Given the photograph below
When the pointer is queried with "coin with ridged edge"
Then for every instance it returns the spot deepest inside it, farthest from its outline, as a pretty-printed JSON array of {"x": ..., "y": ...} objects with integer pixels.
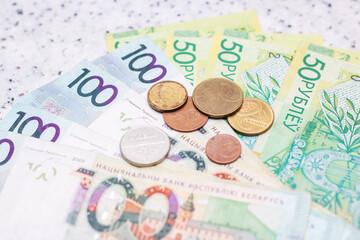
[
  {"x": 254, "y": 117},
  {"x": 223, "y": 149},
  {"x": 185, "y": 119},
  {"x": 167, "y": 96},
  {"x": 218, "y": 97},
  {"x": 145, "y": 146}
]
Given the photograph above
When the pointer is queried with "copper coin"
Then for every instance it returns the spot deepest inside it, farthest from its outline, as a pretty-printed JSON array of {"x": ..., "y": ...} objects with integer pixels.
[
  {"x": 254, "y": 117},
  {"x": 218, "y": 97},
  {"x": 223, "y": 149},
  {"x": 167, "y": 96},
  {"x": 185, "y": 119}
]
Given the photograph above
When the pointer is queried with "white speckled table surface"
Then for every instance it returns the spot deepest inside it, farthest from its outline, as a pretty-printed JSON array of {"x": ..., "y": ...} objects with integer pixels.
[{"x": 40, "y": 40}]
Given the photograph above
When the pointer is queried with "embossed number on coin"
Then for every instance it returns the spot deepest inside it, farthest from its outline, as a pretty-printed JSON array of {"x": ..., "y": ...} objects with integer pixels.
[{"x": 254, "y": 117}]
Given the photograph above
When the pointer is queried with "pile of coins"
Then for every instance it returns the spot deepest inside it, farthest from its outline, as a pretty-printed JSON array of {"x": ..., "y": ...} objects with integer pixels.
[{"x": 214, "y": 98}]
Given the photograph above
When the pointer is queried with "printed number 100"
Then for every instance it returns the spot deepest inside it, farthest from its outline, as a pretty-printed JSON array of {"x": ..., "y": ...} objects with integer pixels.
[
  {"x": 146, "y": 68},
  {"x": 96, "y": 91}
]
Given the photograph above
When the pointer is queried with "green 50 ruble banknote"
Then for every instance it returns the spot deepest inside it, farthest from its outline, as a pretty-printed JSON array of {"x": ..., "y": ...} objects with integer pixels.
[{"x": 317, "y": 130}]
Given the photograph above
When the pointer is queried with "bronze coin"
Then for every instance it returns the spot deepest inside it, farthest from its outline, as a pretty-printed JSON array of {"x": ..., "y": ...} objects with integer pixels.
[
  {"x": 218, "y": 97},
  {"x": 167, "y": 96},
  {"x": 185, "y": 119},
  {"x": 223, "y": 149},
  {"x": 254, "y": 117}
]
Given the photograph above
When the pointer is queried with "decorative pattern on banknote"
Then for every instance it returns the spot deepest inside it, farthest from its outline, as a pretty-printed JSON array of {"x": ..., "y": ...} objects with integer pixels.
[
  {"x": 133, "y": 218},
  {"x": 43, "y": 171},
  {"x": 236, "y": 33},
  {"x": 293, "y": 161},
  {"x": 226, "y": 176},
  {"x": 333, "y": 175},
  {"x": 79, "y": 196},
  {"x": 274, "y": 163},
  {"x": 161, "y": 43},
  {"x": 320, "y": 49},
  {"x": 206, "y": 33},
  {"x": 200, "y": 164},
  {"x": 344, "y": 55},
  {"x": 240, "y": 210},
  {"x": 52, "y": 106},
  {"x": 270, "y": 54},
  {"x": 259, "y": 90},
  {"x": 125, "y": 37},
  {"x": 342, "y": 117},
  {"x": 264, "y": 80},
  {"x": 245, "y": 21},
  {"x": 259, "y": 38},
  {"x": 291, "y": 40}
]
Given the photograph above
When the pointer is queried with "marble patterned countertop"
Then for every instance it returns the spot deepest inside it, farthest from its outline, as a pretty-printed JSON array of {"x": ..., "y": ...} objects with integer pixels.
[{"x": 40, "y": 40}]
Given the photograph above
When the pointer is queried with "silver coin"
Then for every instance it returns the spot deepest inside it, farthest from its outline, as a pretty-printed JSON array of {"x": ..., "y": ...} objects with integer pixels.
[{"x": 145, "y": 146}]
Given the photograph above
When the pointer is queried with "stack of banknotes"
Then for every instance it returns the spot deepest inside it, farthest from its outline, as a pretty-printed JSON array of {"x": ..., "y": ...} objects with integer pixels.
[{"x": 62, "y": 175}]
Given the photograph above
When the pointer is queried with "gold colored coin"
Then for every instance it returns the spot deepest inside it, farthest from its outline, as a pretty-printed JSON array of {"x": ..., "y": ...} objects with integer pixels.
[
  {"x": 218, "y": 97},
  {"x": 166, "y": 96},
  {"x": 254, "y": 117}
]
